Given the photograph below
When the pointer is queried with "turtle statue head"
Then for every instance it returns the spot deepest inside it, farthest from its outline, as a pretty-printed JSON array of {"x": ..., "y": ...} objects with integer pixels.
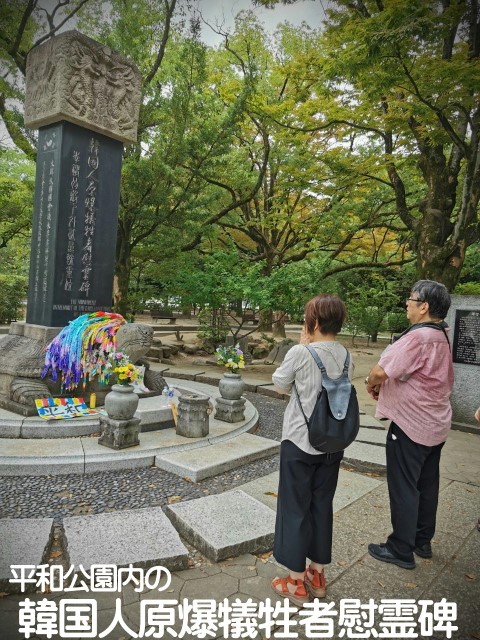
[{"x": 135, "y": 340}]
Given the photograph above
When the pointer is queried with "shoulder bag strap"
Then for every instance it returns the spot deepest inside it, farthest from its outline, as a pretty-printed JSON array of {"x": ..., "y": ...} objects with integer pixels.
[
  {"x": 299, "y": 403},
  {"x": 319, "y": 363},
  {"x": 439, "y": 326}
]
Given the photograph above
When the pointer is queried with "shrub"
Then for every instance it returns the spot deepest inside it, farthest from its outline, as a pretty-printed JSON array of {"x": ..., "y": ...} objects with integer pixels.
[
  {"x": 213, "y": 328},
  {"x": 467, "y": 289}
]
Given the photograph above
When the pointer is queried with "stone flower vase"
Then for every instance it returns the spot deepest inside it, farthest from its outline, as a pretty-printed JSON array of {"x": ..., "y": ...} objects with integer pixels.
[
  {"x": 231, "y": 386},
  {"x": 122, "y": 402}
]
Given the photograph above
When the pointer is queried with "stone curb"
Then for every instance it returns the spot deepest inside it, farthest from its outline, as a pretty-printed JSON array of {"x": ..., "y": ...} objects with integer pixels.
[
  {"x": 217, "y": 525},
  {"x": 37, "y": 428},
  {"x": 32, "y": 538},
  {"x": 141, "y": 537},
  {"x": 78, "y": 457}
]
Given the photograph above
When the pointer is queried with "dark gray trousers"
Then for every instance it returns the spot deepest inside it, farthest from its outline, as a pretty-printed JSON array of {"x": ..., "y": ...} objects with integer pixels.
[
  {"x": 304, "y": 522},
  {"x": 413, "y": 475}
]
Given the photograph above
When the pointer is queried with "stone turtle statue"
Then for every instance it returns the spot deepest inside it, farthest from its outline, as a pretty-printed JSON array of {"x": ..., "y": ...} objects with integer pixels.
[
  {"x": 22, "y": 360},
  {"x": 137, "y": 343}
]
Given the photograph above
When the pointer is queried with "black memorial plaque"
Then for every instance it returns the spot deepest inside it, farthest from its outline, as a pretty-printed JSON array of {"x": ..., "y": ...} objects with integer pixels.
[
  {"x": 466, "y": 341},
  {"x": 77, "y": 190}
]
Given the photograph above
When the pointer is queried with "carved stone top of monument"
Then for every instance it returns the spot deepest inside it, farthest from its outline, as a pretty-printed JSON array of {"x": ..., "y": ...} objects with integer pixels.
[{"x": 72, "y": 77}]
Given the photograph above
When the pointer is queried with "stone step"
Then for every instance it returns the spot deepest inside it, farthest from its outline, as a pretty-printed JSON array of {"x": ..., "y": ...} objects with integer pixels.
[
  {"x": 223, "y": 456},
  {"x": 373, "y": 423},
  {"x": 364, "y": 457},
  {"x": 141, "y": 537},
  {"x": 372, "y": 436},
  {"x": 15, "y": 426},
  {"x": 23, "y": 541},
  {"x": 225, "y": 525}
]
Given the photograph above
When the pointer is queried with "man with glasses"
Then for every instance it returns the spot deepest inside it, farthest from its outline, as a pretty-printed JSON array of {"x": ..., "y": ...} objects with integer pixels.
[{"x": 413, "y": 382}]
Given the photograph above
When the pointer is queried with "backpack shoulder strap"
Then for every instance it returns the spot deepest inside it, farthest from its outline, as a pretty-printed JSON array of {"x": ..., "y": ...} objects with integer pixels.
[
  {"x": 320, "y": 365},
  {"x": 299, "y": 403},
  {"x": 347, "y": 363},
  {"x": 316, "y": 357}
]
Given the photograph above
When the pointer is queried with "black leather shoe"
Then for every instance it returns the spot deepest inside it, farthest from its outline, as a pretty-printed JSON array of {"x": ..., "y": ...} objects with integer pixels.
[
  {"x": 425, "y": 551},
  {"x": 383, "y": 553}
]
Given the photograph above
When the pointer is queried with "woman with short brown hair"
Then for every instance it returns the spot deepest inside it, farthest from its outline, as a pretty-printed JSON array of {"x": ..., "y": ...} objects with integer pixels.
[{"x": 308, "y": 478}]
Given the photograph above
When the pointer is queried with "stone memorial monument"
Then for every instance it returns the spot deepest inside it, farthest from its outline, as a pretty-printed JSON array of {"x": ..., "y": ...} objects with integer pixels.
[
  {"x": 84, "y": 98},
  {"x": 464, "y": 321}
]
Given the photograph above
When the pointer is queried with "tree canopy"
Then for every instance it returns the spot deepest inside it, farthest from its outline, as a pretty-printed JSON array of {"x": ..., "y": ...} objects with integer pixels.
[{"x": 298, "y": 156}]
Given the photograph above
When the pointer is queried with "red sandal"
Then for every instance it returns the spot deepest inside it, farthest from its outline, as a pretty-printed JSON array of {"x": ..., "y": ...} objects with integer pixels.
[
  {"x": 315, "y": 582},
  {"x": 298, "y": 594}
]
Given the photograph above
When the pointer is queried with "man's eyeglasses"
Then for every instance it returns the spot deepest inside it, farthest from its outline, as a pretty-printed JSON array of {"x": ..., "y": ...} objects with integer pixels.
[{"x": 414, "y": 300}]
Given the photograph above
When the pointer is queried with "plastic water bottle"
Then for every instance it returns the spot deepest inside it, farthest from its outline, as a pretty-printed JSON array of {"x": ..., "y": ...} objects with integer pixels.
[
  {"x": 164, "y": 400},
  {"x": 170, "y": 396}
]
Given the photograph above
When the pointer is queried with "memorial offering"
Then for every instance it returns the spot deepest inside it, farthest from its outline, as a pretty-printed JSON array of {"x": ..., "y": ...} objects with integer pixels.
[
  {"x": 81, "y": 350},
  {"x": 62, "y": 408}
]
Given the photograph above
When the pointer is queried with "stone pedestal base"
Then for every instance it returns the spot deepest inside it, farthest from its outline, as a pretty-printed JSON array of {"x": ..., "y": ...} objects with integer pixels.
[
  {"x": 230, "y": 410},
  {"x": 119, "y": 434},
  {"x": 22, "y": 358},
  {"x": 193, "y": 419}
]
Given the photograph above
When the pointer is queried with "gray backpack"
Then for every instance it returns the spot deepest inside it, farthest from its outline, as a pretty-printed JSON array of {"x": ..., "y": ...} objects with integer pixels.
[{"x": 335, "y": 419}]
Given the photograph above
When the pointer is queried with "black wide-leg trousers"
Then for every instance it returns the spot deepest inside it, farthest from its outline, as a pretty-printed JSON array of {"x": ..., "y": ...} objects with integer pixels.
[
  {"x": 304, "y": 521},
  {"x": 413, "y": 475}
]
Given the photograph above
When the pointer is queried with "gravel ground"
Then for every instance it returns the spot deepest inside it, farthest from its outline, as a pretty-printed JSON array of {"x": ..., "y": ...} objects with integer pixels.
[{"x": 67, "y": 495}]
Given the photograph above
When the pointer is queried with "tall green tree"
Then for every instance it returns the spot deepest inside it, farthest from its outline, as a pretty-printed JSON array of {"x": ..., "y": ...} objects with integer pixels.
[
  {"x": 17, "y": 175},
  {"x": 304, "y": 205},
  {"x": 184, "y": 133},
  {"x": 396, "y": 83}
]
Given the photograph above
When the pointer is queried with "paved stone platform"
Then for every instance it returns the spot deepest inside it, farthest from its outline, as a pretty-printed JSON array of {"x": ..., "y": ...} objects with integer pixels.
[
  {"x": 351, "y": 486},
  {"x": 25, "y": 541},
  {"x": 22, "y": 456},
  {"x": 19, "y": 456},
  {"x": 224, "y": 525},
  {"x": 453, "y": 572},
  {"x": 196, "y": 465},
  {"x": 141, "y": 537}
]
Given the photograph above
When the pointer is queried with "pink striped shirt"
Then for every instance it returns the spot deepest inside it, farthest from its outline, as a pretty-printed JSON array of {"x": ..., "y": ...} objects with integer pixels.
[{"x": 416, "y": 395}]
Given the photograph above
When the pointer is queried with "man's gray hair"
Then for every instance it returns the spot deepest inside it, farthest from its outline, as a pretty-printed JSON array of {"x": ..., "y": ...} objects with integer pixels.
[{"x": 437, "y": 296}]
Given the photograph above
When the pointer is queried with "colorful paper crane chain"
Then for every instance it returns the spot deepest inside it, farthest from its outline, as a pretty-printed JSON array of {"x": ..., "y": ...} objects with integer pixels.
[{"x": 80, "y": 351}]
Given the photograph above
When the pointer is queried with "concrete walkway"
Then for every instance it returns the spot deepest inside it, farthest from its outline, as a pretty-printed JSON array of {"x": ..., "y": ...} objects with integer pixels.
[{"x": 361, "y": 516}]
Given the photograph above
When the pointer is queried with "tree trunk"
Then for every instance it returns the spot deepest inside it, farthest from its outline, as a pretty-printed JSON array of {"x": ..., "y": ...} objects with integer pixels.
[
  {"x": 439, "y": 258},
  {"x": 278, "y": 327},
  {"x": 266, "y": 316},
  {"x": 449, "y": 210}
]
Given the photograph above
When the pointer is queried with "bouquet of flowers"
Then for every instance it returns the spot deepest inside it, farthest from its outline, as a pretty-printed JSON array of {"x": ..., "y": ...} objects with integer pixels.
[
  {"x": 230, "y": 357},
  {"x": 119, "y": 365}
]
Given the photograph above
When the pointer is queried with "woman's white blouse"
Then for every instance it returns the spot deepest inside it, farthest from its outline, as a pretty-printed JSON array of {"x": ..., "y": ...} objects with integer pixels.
[{"x": 300, "y": 367}]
